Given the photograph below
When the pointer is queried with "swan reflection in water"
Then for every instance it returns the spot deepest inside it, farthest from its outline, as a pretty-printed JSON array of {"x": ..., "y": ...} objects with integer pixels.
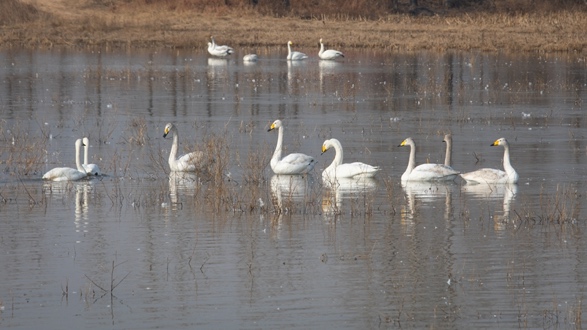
[
  {"x": 426, "y": 192},
  {"x": 337, "y": 190},
  {"x": 289, "y": 190},
  {"x": 181, "y": 182},
  {"x": 494, "y": 191}
]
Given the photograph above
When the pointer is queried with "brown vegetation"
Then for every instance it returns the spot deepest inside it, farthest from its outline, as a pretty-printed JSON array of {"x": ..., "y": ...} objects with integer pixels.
[{"x": 393, "y": 25}]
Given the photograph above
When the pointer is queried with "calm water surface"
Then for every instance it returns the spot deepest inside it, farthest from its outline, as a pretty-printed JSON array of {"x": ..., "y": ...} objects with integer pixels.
[{"x": 140, "y": 248}]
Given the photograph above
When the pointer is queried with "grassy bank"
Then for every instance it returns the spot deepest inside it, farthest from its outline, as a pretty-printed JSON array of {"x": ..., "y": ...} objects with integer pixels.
[{"x": 145, "y": 24}]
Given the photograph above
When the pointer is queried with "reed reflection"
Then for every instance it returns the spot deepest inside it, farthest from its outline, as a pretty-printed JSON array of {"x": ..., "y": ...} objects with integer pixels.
[{"x": 181, "y": 182}]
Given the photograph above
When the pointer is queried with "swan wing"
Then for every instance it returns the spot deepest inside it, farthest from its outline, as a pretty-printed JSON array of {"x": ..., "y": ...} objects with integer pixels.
[
  {"x": 433, "y": 172},
  {"x": 331, "y": 54},
  {"x": 64, "y": 174},
  {"x": 296, "y": 163},
  {"x": 351, "y": 170},
  {"x": 189, "y": 162},
  {"x": 296, "y": 56},
  {"x": 487, "y": 175}
]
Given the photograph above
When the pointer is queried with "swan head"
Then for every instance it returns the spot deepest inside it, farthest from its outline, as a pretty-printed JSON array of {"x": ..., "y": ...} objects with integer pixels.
[
  {"x": 326, "y": 145},
  {"x": 290, "y": 43},
  {"x": 79, "y": 143},
  {"x": 447, "y": 137},
  {"x": 500, "y": 142},
  {"x": 168, "y": 128},
  {"x": 320, "y": 40},
  {"x": 85, "y": 141},
  {"x": 407, "y": 142},
  {"x": 276, "y": 124}
]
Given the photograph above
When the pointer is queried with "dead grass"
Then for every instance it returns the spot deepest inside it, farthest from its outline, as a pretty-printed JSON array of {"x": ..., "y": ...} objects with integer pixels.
[{"x": 506, "y": 25}]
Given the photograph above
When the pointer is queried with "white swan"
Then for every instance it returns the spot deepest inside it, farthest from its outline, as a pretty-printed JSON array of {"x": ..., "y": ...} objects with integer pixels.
[
  {"x": 250, "y": 58},
  {"x": 216, "y": 50},
  {"x": 294, "y": 56},
  {"x": 338, "y": 170},
  {"x": 91, "y": 169},
  {"x": 491, "y": 175},
  {"x": 425, "y": 172},
  {"x": 295, "y": 163},
  {"x": 329, "y": 54},
  {"x": 68, "y": 173},
  {"x": 186, "y": 163}
]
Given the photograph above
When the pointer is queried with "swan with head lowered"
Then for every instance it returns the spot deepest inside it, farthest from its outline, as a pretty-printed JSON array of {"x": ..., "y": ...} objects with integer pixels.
[
  {"x": 291, "y": 164},
  {"x": 68, "y": 173},
  {"x": 293, "y": 55},
  {"x": 217, "y": 50},
  {"x": 425, "y": 172},
  {"x": 338, "y": 170},
  {"x": 91, "y": 169},
  {"x": 191, "y": 162},
  {"x": 492, "y": 175},
  {"x": 329, "y": 54}
]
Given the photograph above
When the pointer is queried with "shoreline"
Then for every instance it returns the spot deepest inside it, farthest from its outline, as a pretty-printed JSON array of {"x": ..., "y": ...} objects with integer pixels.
[{"x": 91, "y": 27}]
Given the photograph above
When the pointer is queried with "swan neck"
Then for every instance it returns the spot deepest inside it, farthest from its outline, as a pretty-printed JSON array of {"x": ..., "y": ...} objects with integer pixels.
[
  {"x": 447, "y": 157},
  {"x": 86, "y": 147},
  {"x": 338, "y": 156},
  {"x": 321, "y": 48},
  {"x": 277, "y": 153},
  {"x": 412, "y": 160},
  {"x": 506, "y": 160},
  {"x": 77, "y": 159},
  {"x": 174, "y": 146}
]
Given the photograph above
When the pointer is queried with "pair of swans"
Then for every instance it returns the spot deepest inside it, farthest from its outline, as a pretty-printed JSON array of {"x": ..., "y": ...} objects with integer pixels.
[
  {"x": 298, "y": 163},
  {"x": 191, "y": 162},
  {"x": 73, "y": 174},
  {"x": 444, "y": 172},
  {"x": 217, "y": 50},
  {"x": 428, "y": 172}
]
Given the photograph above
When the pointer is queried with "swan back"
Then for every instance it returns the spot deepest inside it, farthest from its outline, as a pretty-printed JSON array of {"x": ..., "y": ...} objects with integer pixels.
[{"x": 250, "y": 58}]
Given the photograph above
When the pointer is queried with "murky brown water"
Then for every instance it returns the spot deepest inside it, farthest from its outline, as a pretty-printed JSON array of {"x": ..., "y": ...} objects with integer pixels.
[{"x": 254, "y": 250}]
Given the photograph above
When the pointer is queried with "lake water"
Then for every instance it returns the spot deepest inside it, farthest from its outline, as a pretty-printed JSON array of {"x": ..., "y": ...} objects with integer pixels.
[{"x": 140, "y": 248}]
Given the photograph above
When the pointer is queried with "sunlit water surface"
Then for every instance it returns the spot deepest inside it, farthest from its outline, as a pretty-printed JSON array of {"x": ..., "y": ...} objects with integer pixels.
[{"x": 142, "y": 249}]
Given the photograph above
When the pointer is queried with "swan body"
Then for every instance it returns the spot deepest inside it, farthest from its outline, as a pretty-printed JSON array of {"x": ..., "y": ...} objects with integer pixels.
[
  {"x": 329, "y": 54},
  {"x": 294, "y": 56},
  {"x": 250, "y": 58},
  {"x": 91, "y": 169},
  {"x": 425, "y": 172},
  {"x": 216, "y": 50},
  {"x": 338, "y": 170},
  {"x": 190, "y": 162},
  {"x": 68, "y": 173},
  {"x": 291, "y": 164},
  {"x": 492, "y": 175}
]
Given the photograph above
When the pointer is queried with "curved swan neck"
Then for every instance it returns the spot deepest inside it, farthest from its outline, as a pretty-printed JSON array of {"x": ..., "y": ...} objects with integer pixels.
[
  {"x": 288, "y": 50},
  {"x": 338, "y": 157},
  {"x": 321, "y": 48}
]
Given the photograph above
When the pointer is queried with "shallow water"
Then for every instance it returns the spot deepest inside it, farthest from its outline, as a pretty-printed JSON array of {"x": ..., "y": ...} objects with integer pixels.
[{"x": 141, "y": 249}]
